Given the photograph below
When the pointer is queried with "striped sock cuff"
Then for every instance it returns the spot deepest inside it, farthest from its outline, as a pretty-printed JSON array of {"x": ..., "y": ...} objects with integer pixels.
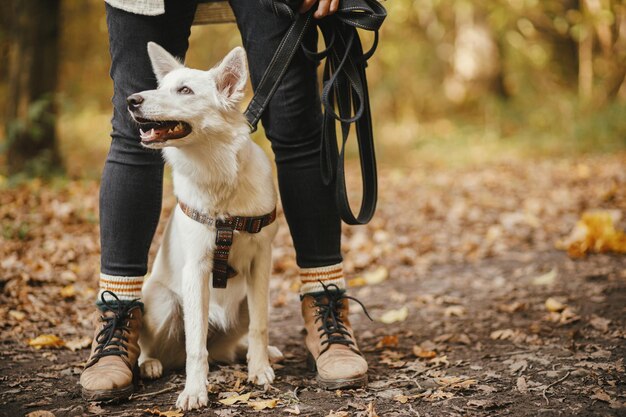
[
  {"x": 125, "y": 288},
  {"x": 311, "y": 279}
]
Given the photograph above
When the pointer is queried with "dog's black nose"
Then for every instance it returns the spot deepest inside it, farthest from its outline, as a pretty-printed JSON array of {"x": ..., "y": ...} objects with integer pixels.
[{"x": 134, "y": 101}]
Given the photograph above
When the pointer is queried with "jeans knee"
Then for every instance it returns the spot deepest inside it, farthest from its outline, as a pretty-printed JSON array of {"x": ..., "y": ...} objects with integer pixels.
[{"x": 127, "y": 151}]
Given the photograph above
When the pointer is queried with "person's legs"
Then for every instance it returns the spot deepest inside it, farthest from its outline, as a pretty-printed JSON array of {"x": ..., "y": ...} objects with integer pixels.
[
  {"x": 293, "y": 123},
  {"x": 131, "y": 187},
  {"x": 130, "y": 197}
]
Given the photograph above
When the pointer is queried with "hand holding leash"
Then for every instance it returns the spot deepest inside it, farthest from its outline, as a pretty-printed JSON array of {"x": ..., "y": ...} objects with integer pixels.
[{"x": 324, "y": 8}]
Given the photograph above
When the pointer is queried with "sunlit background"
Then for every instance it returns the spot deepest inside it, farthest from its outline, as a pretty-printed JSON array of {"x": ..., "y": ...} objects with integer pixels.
[{"x": 453, "y": 80}]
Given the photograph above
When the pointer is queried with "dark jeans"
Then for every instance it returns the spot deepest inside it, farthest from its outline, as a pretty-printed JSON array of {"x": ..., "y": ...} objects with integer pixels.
[{"x": 132, "y": 180}]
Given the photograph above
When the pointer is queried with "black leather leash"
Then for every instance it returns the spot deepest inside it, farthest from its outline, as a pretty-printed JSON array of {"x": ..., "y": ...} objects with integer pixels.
[{"x": 345, "y": 96}]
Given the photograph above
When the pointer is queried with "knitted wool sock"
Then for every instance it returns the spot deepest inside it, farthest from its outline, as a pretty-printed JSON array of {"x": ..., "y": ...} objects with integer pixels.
[
  {"x": 312, "y": 278},
  {"x": 125, "y": 288}
]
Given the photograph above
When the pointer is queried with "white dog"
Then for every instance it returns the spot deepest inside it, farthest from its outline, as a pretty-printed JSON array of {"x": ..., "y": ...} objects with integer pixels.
[{"x": 218, "y": 172}]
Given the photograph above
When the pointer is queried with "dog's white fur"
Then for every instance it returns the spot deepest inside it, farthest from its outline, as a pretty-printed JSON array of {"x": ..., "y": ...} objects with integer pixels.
[{"x": 217, "y": 170}]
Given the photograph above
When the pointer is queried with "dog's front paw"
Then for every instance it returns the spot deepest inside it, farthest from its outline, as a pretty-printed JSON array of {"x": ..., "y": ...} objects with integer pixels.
[
  {"x": 151, "y": 369},
  {"x": 275, "y": 355},
  {"x": 192, "y": 398},
  {"x": 260, "y": 375}
]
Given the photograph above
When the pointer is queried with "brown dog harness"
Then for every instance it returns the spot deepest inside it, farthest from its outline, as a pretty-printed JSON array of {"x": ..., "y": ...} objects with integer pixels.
[{"x": 224, "y": 232}]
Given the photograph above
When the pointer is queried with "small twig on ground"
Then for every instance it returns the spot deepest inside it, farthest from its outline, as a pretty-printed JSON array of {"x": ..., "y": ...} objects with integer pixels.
[
  {"x": 152, "y": 394},
  {"x": 553, "y": 384}
]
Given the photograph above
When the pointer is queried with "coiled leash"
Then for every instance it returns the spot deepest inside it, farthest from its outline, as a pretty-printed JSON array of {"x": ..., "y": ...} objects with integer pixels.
[{"x": 345, "y": 96}]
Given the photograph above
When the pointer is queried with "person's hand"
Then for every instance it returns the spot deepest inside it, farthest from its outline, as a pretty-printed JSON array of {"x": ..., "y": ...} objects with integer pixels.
[{"x": 324, "y": 7}]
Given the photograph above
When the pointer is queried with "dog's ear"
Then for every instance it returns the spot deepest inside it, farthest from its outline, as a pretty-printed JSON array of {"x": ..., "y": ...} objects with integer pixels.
[
  {"x": 231, "y": 75},
  {"x": 162, "y": 61}
]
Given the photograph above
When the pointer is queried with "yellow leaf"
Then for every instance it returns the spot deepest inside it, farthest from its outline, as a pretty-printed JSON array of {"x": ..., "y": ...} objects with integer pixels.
[
  {"x": 377, "y": 276},
  {"x": 595, "y": 232},
  {"x": 40, "y": 413},
  {"x": 403, "y": 399},
  {"x": 393, "y": 316},
  {"x": 554, "y": 305},
  {"x": 236, "y": 398},
  {"x": 370, "y": 278},
  {"x": 17, "y": 315},
  {"x": 46, "y": 340},
  {"x": 170, "y": 413},
  {"x": 546, "y": 279},
  {"x": 263, "y": 404},
  {"x": 357, "y": 282},
  {"x": 68, "y": 291}
]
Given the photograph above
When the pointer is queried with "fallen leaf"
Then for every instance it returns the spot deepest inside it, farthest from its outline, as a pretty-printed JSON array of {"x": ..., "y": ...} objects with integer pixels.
[
  {"x": 422, "y": 353},
  {"x": 295, "y": 410},
  {"x": 454, "y": 311},
  {"x": 600, "y": 323},
  {"x": 547, "y": 278},
  {"x": 387, "y": 341},
  {"x": 40, "y": 413},
  {"x": 480, "y": 403},
  {"x": 242, "y": 398},
  {"x": 599, "y": 394},
  {"x": 503, "y": 334},
  {"x": 94, "y": 408},
  {"x": 393, "y": 316},
  {"x": 401, "y": 398},
  {"x": 77, "y": 344},
  {"x": 512, "y": 307},
  {"x": 522, "y": 386},
  {"x": 439, "y": 395},
  {"x": 17, "y": 315},
  {"x": 370, "y": 278},
  {"x": 46, "y": 340},
  {"x": 338, "y": 414},
  {"x": 554, "y": 305},
  {"x": 440, "y": 360},
  {"x": 170, "y": 413},
  {"x": 68, "y": 291},
  {"x": 518, "y": 366},
  {"x": 595, "y": 232},
  {"x": 263, "y": 404},
  {"x": 371, "y": 412}
]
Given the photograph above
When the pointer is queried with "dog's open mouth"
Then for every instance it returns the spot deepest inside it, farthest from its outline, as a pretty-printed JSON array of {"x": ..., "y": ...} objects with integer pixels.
[{"x": 152, "y": 131}]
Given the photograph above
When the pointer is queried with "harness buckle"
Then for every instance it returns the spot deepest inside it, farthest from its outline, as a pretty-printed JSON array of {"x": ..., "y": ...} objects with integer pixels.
[{"x": 254, "y": 224}]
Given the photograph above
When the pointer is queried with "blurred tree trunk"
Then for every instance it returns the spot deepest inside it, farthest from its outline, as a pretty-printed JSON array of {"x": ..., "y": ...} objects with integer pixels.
[{"x": 32, "y": 78}]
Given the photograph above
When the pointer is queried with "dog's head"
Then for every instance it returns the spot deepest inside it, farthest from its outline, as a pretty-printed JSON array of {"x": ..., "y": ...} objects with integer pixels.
[{"x": 188, "y": 103}]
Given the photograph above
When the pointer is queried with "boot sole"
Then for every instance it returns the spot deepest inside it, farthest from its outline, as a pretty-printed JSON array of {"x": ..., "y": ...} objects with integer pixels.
[
  {"x": 113, "y": 395},
  {"x": 333, "y": 384},
  {"x": 118, "y": 394}
]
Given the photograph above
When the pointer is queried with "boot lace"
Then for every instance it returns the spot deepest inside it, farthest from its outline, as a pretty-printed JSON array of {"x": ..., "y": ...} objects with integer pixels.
[
  {"x": 332, "y": 326},
  {"x": 111, "y": 339}
]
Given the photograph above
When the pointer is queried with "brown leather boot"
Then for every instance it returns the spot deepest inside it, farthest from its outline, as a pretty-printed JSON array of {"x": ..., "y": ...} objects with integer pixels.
[
  {"x": 111, "y": 370},
  {"x": 333, "y": 350}
]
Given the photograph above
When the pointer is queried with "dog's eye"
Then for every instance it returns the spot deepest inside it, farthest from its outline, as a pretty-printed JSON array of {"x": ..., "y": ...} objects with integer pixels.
[{"x": 185, "y": 90}]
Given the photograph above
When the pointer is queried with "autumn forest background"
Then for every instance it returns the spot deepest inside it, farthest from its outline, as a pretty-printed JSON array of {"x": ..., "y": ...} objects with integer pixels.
[{"x": 499, "y": 239}]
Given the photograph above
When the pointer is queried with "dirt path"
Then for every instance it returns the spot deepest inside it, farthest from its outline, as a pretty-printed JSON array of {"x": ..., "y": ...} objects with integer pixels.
[{"x": 491, "y": 318}]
